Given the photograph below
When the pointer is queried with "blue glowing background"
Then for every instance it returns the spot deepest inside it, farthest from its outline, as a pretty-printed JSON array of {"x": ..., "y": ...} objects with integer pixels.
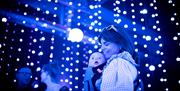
[{"x": 35, "y": 32}]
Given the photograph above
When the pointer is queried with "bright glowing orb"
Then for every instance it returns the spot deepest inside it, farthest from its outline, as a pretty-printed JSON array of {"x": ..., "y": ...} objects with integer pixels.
[
  {"x": 75, "y": 35},
  {"x": 152, "y": 68}
]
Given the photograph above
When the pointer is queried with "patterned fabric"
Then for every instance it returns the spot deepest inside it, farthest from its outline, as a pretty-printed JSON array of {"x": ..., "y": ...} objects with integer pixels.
[{"x": 119, "y": 73}]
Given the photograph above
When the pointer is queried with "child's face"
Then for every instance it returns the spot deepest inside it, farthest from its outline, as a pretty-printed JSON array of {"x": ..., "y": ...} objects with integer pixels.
[{"x": 96, "y": 59}]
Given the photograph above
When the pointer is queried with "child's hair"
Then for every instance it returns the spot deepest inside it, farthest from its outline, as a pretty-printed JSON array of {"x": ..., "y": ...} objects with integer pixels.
[{"x": 53, "y": 70}]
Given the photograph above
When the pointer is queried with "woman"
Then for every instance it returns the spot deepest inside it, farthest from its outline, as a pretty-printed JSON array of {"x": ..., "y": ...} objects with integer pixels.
[{"x": 120, "y": 71}]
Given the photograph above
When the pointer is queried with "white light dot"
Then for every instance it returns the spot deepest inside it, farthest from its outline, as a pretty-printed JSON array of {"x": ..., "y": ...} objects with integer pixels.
[
  {"x": 144, "y": 11},
  {"x": 33, "y": 51},
  {"x": 38, "y": 69},
  {"x": 178, "y": 34},
  {"x": 54, "y": 15},
  {"x": 151, "y": 4},
  {"x": 135, "y": 43},
  {"x": 162, "y": 61},
  {"x": 70, "y": 11},
  {"x": 159, "y": 65},
  {"x": 155, "y": 8},
  {"x": 67, "y": 59},
  {"x": 151, "y": 67},
  {"x": 70, "y": 3},
  {"x": 160, "y": 45},
  {"x": 145, "y": 46},
  {"x": 132, "y": 4},
  {"x": 147, "y": 65},
  {"x": 56, "y": 1},
  {"x": 162, "y": 53},
  {"x": 145, "y": 55},
  {"x": 161, "y": 79},
  {"x": 154, "y": 27},
  {"x": 157, "y": 22},
  {"x": 34, "y": 40},
  {"x": 148, "y": 75},
  {"x": 135, "y": 36},
  {"x": 178, "y": 59},
  {"x": 156, "y": 39},
  {"x": 164, "y": 70},
  {"x": 149, "y": 85},
  {"x": 136, "y": 50},
  {"x": 117, "y": 2},
  {"x": 165, "y": 79},
  {"x": 77, "y": 61},
  {"x": 133, "y": 16},
  {"x": 172, "y": 18},
  {"x": 66, "y": 80},
  {"x": 77, "y": 53},
  {"x": 157, "y": 52},
  {"x": 79, "y": 4},
  {"x": 25, "y": 13},
  {"x": 4, "y": 19},
  {"x": 45, "y": 25},
  {"x": 67, "y": 48},
  {"x": 142, "y": 19},
  {"x": 133, "y": 10},
  {"x": 140, "y": 4},
  {"x": 32, "y": 64},
  {"x": 20, "y": 40},
  {"x": 17, "y": 59},
  {"x": 75, "y": 86},
  {"x": 55, "y": 8},
  {"x": 175, "y": 38},
  {"x": 177, "y": 23},
  {"x": 22, "y": 31},
  {"x": 36, "y": 86},
  {"x": 124, "y": 12},
  {"x": 76, "y": 69},
  {"x": 76, "y": 78},
  {"x": 134, "y": 23},
  {"x": 143, "y": 28},
  {"x": 19, "y": 49},
  {"x": 26, "y": 5},
  {"x": 51, "y": 55},
  {"x": 40, "y": 53},
  {"x": 51, "y": 47},
  {"x": 38, "y": 9},
  {"x": 125, "y": 26}
]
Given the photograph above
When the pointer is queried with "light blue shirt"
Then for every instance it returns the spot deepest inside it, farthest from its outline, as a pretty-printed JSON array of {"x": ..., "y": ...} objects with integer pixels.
[{"x": 119, "y": 73}]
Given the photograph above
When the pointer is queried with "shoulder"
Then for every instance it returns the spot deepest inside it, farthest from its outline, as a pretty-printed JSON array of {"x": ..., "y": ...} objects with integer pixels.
[
  {"x": 119, "y": 60},
  {"x": 123, "y": 64},
  {"x": 88, "y": 74}
]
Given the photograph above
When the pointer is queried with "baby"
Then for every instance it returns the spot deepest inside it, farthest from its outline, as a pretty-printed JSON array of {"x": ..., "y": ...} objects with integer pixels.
[
  {"x": 96, "y": 59},
  {"x": 94, "y": 70}
]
